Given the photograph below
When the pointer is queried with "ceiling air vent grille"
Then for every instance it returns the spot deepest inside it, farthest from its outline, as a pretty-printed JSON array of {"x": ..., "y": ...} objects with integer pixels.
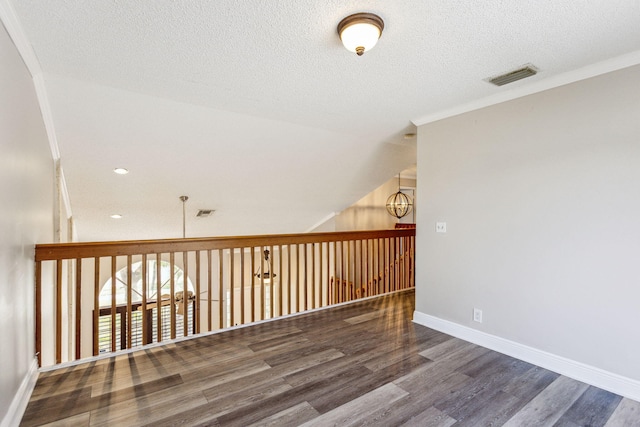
[
  {"x": 202, "y": 213},
  {"x": 515, "y": 75}
]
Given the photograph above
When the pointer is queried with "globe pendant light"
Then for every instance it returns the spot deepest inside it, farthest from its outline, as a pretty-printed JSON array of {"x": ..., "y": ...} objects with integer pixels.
[
  {"x": 360, "y": 32},
  {"x": 399, "y": 204}
]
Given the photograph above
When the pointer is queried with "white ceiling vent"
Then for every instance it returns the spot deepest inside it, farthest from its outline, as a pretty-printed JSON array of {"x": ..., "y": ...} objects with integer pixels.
[
  {"x": 515, "y": 75},
  {"x": 203, "y": 213}
]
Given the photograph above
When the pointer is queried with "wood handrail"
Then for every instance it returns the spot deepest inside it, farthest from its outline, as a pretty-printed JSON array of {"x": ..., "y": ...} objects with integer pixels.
[{"x": 57, "y": 251}]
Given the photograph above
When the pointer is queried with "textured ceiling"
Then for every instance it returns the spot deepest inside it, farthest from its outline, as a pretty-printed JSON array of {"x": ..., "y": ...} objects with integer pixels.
[{"x": 255, "y": 109}]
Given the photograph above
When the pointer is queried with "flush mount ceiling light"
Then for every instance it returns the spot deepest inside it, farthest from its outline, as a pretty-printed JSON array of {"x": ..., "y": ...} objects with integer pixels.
[
  {"x": 360, "y": 32},
  {"x": 116, "y": 216},
  {"x": 121, "y": 171}
]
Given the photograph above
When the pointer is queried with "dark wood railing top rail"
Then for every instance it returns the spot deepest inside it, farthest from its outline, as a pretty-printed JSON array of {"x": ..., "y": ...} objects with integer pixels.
[{"x": 61, "y": 251}]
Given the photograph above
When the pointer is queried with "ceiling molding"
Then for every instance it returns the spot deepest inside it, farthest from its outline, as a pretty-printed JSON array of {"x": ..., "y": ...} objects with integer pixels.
[
  {"x": 11, "y": 22},
  {"x": 589, "y": 71},
  {"x": 64, "y": 193},
  {"x": 47, "y": 116}
]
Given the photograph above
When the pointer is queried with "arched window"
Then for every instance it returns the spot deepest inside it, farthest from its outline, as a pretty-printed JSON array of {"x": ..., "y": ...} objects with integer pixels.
[
  {"x": 152, "y": 283},
  {"x": 182, "y": 307}
]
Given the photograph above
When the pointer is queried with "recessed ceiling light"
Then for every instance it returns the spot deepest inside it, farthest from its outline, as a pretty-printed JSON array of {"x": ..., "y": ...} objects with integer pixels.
[
  {"x": 121, "y": 171},
  {"x": 116, "y": 216}
]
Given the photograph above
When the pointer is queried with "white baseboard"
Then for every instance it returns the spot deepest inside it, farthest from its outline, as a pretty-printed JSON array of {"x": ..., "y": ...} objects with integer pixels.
[
  {"x": 21, "y": 399},
  {"x": 597, "y": 377}
]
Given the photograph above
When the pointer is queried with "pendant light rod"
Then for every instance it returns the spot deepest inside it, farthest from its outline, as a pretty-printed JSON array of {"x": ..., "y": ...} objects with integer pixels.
[{"x": 184, "y": 215}]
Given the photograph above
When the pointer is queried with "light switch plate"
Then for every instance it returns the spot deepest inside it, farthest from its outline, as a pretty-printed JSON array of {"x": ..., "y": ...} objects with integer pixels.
[{"x": 441, "y": 227}]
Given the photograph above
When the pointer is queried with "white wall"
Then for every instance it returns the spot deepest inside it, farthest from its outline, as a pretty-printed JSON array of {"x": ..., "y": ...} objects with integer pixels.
[
  {"x": 26, "y": 216},
  {"x": 541, "y": 196}
]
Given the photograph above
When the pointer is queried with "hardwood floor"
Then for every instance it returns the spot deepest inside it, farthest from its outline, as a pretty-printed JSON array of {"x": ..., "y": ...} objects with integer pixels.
[{"x": 361, "y": 364}]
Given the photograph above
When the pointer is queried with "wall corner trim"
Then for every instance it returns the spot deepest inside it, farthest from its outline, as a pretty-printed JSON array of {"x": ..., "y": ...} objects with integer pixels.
[
  {"x": 597, "y": 377},
  {"x": 21, "y": 399}
]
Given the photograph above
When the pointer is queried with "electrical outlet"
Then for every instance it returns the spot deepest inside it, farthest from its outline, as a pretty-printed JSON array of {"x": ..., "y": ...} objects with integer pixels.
[
  {"x": 477, "y": 315},
  {"x": 441, "y": 227}
]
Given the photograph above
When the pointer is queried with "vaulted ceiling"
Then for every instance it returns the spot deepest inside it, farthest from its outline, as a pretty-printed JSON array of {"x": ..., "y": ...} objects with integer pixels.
[{"x": 254, "y": 108}]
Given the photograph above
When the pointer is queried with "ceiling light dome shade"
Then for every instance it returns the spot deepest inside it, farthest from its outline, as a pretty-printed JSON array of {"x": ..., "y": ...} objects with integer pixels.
[{"x": 360, "y": 32}]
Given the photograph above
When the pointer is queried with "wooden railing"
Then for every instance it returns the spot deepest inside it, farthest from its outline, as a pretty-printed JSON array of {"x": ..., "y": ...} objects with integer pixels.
[{"x": 107, "y": 296}]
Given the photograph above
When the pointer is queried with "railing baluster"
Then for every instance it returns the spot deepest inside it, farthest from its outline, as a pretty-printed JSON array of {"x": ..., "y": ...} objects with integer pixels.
[
  {"x": 350, "y": 280},
  {"x": 305, "y": 281},
  {"x": 271, "y": 283},
  {"x": 392, "y": 265},
  {"x": 320, "y": 271},
  {"x": 209, "y": 294},
  {"x": 143, "y": 308},
  {"x": 279, "y": 281},
  {"x": 196, "y": 308},
  {"x": 405, "y": 251},
  {"x": 253, "y": 284},
  {"x": 185, "y": 293},
  {"x": 96, "y": 304},
  {"x": 242, "y": 279},
  {"x": 413, "y": 261},
  {"x": 333, "y": 294},
  {"x": 401, "y": 262},
  {"x": 261, "y": 283},
  {"x": 78, "y": 307},
  {"x": 159, "y": 296},
  {"x": 365, "y": 267},
  {"x": 328, "y": 296},
  {"x": 113, "y": 303},
  {"x": 58, "y": 309},
  {"x": 129, "y": 314},
  {"x": 341, "y": 277},
  {"x": 398, "y": 263},
  {"x": 172, "y": 288},
  {"x": 289, "y": 279},
  {"x": 357, "y": 268},
  {"x": 221, "y": 287},
  {"x": 38, "y": 298},
  {"x": 379, "y": 267},
  {"x": 313, "y": 275},
  {"x": 385, "y": 264},
  {"x": 232, "y": 286}
]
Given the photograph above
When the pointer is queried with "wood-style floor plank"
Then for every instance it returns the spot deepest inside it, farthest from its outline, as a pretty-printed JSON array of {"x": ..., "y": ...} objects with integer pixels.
[
  {"x": 79, "y": 420},
  {"x": 289, "y": 417},
  {"x": 549, "y": 406},
  {"x": 364, "y": 363},
  {"x": 593, "y": 408},
  {"x": 430, "y": 417},
  {"x": 627, "y": 414},
  {"x": 358, "y": 410}
]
